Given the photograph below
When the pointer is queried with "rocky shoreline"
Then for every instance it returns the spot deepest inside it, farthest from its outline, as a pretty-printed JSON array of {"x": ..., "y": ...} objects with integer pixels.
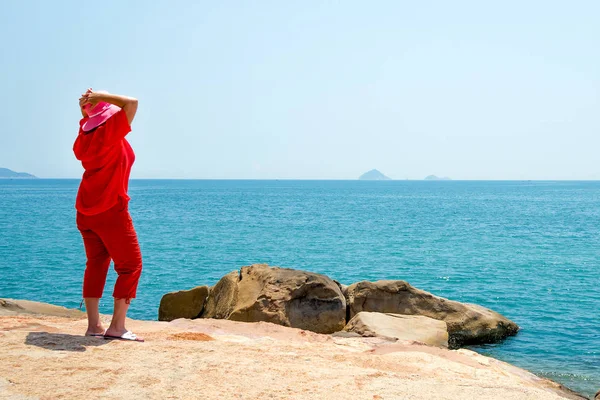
[
  {"x": 314, "y": 302},
  {"x": 45, "y": 356}
]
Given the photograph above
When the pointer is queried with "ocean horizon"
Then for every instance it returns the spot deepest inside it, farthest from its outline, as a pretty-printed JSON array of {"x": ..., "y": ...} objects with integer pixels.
[
  {"x": 36, "y": 178},
  {"x": 525, "y": 248}
]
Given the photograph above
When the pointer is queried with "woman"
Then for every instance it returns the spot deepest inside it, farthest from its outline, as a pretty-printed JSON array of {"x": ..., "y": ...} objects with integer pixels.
[{"x": 102, "y": 207}]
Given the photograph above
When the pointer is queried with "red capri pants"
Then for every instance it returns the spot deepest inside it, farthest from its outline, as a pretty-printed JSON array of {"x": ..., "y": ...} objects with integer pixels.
[{"x": 110, "y": 235}]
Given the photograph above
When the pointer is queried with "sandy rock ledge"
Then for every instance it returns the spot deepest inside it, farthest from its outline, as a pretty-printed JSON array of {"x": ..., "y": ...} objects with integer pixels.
[{"x": 46, "y": 357}]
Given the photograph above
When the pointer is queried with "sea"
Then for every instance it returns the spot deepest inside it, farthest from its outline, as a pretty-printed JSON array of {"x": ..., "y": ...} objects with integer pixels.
[{"x": 527, "y": 249}]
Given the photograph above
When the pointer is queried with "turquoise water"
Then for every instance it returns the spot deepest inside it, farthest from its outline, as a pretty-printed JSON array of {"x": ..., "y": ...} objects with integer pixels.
[{"x": 529, "y": 250}]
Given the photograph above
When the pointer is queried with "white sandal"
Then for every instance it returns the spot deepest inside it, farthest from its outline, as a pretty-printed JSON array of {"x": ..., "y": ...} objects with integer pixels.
[{"x": 130, "y": 336}]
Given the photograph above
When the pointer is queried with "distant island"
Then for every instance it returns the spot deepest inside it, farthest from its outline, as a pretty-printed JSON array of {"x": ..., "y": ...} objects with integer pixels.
[
  {"x": 373, "y": 175},
  {"x": 435, "y": 178},
  {"x": 6, "y": 173}
]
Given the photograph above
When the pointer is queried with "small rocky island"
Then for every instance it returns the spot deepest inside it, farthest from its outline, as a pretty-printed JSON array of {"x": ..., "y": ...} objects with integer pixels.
[
  {"x": 436, "y": 178},
  {"x": 373, "y": 175},
  {"x": 6, "y": 173}
]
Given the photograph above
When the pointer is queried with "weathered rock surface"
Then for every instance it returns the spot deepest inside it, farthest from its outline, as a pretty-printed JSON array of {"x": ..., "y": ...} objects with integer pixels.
[
  {"x": 182, "y": 304},
  {"x": 402, "y": 327},
  {"x": 223, "y": 297},
  {"x": 467, "y": 323},
  {"x": 20, "y": 307},
  {"x": 282, "y": 296},
  {"x": 47, "y": 357}
]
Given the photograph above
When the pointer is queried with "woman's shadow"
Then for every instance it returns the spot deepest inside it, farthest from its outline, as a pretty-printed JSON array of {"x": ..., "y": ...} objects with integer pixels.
[{"x": 63, "y": 341}]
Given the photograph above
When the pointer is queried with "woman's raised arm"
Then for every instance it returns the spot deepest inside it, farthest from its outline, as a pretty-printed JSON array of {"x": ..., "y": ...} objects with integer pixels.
[{"x": 128, "y": 104}]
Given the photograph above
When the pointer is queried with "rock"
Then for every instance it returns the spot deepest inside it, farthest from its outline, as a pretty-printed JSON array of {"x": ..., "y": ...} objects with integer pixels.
[
  {"x": 344, "y": 334},
  {"x": 402, "y": 327},
  {"x": 49, "y": 358},
  {"x": 282, "y": 296},
  {"x": 10, "y": 307},
  {"x": 182, "y": 304},
  {"x": 18, "y": 307},
  {"x": 223, "y": 297},
  {"x": 342, "y": 287},
  {"x": 467, "y": 323},
  {"x": 597, "y": 397}
]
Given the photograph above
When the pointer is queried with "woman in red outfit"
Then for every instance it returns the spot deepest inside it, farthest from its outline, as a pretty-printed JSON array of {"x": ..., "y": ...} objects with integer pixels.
[{"x": 102, "y": 207}]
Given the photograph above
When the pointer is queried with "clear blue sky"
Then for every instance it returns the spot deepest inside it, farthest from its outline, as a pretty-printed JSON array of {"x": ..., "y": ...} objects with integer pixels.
[{"x": 310, "y": 89}]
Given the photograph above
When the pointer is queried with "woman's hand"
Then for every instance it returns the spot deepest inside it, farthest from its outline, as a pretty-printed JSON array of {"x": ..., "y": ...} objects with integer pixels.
[
  {"x": 83, "y": 102},
  {"x": 90, "y": 97}
]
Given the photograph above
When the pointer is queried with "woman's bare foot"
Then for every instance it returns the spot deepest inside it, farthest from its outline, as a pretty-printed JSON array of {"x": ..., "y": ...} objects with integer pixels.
[
  {"x": 97, "y": 330},
  {"x": 115, "y": 332},
  {"x": 117, "y": 325}
]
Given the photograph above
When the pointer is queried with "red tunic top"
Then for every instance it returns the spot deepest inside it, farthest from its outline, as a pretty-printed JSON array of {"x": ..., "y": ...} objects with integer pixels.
[{"x": 107, "y": 158}]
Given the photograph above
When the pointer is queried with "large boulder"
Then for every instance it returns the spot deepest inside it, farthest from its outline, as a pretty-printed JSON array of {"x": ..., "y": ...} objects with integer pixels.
[
  {"x": 402, "y": 327},
  {"x": 282, "y": 296},
  {"x": 223, "y": 297},
  {"x": 182, "y": 304},
  {"x": 467, "y": 323}
]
